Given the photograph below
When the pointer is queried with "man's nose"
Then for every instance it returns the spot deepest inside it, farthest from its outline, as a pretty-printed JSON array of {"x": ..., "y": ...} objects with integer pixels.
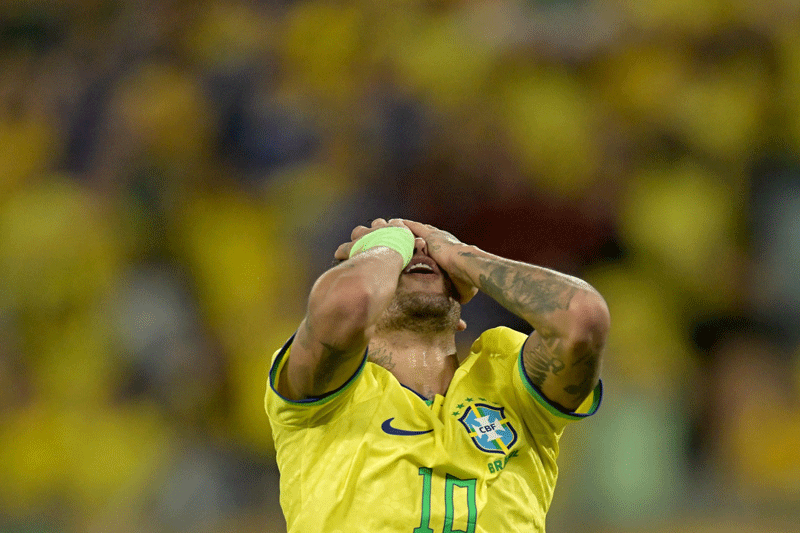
[{"x": 420, "y": 246}]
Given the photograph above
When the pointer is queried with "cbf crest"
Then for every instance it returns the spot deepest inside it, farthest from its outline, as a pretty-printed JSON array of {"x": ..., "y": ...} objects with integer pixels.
[{"x": 488, "y": 427}]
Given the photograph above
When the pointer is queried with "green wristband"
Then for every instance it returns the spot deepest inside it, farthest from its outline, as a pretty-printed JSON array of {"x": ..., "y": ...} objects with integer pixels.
[{"x": 401, "y": 240}]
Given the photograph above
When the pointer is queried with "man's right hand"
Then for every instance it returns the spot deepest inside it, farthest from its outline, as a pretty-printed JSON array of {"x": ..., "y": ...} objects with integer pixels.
[
  {"x": 343, "y": 308},
  {"x": 343, "y": 252}
]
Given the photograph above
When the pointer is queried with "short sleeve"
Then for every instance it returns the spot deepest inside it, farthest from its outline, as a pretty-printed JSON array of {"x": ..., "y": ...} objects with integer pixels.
[
  {"x": 310, "y": 411},
  {"x": 540, "y": 414},
  {"x": 555, "y": 416}
]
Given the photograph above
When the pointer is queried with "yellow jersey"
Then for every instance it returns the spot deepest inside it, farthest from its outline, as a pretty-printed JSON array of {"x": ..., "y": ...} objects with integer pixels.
[{"x": 374, "y": 456}]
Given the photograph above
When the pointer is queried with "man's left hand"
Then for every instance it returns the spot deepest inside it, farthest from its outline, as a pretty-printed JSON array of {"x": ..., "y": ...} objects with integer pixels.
[{"x": 443, "y": 248}]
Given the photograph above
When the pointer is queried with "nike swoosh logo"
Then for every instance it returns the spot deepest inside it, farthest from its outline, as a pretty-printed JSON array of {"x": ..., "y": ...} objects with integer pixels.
[{"x": 387, "y": 428}]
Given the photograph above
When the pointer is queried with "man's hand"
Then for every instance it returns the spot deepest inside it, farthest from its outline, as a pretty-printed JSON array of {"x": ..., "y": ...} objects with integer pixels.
[
  {"x": 569, "y": 317},
  {"x": 343, "y": 252},
  {"x": 443, "y": 248},
  {"x": 345, "y": 304}
]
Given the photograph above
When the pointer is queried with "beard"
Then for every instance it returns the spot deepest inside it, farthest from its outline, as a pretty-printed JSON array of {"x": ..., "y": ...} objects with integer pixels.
[{"x": 420, "y": 312}]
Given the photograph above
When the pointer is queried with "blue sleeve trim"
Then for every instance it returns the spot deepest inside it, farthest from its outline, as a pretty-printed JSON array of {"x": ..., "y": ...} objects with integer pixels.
[{"x": 314, "y": 400}]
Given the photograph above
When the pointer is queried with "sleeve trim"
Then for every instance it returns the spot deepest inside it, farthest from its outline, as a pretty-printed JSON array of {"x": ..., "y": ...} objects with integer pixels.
[
  {"x": 315, "y": 400},
  {"x": 550, "y": 406}
]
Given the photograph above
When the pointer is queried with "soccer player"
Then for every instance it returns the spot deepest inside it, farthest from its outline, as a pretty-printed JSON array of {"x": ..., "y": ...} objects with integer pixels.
[{"x": 379, "y": 429}]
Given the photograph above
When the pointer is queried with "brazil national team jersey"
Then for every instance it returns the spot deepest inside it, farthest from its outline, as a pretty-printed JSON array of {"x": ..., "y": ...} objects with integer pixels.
[{"x": 374, "y": 456}]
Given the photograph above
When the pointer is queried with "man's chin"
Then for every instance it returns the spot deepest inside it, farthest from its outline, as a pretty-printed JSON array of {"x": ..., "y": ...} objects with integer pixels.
[
  {"x": 422, "y": 311},
  {"x": 430, "y": 301},
  {"x": 420, "y": 282}
]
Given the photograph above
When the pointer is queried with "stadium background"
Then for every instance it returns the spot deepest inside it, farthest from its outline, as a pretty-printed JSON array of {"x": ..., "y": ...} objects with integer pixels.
[{"x": 174, "y": 174}]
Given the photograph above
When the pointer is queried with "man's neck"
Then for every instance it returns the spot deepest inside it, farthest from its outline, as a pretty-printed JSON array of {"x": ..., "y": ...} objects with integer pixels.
[{"x": 424, "y": 363}]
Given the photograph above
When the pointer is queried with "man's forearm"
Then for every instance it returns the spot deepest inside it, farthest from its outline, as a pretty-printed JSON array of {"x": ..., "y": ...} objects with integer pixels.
[
  {"x": 351, "y": 297},
  {"x": 544, "y": 298},
  {"x": 345, "y": 303},
  {"x": 571, "y": 319}
]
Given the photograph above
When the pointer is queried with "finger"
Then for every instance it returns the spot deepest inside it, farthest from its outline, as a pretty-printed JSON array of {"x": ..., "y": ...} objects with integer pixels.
[
  {"x": 358, "y": 232},
  {"x": 378, "y": 223},
  {"x": 397, "y": 222},
  {"x": 343, "y": 251},
  {"x": 416, "y": 228}
]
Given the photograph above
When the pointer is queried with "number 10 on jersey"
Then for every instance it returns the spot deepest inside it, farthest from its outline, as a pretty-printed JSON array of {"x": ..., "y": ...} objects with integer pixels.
[{"x": 451, "y": 482}]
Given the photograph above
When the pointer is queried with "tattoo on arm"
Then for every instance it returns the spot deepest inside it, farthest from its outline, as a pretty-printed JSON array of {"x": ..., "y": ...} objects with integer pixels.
[
  {"x": 522, "y": 292},
  {"x": 522, "y": 295},
  {"x": 589, "y": 363},
  {"x": 329, "y": 362},
  {"x": 539, "y": 363},
  {"x": 550, "y": 370}
]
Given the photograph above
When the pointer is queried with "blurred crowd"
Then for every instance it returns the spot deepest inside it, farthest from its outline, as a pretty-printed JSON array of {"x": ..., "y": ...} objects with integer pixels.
[{"x": 175, "y": 173}]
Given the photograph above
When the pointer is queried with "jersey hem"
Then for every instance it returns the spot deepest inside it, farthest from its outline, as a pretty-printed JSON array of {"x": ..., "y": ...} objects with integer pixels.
[
  {"x": 314, "y": 400},
  {"x": 551, "y": 407}
]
